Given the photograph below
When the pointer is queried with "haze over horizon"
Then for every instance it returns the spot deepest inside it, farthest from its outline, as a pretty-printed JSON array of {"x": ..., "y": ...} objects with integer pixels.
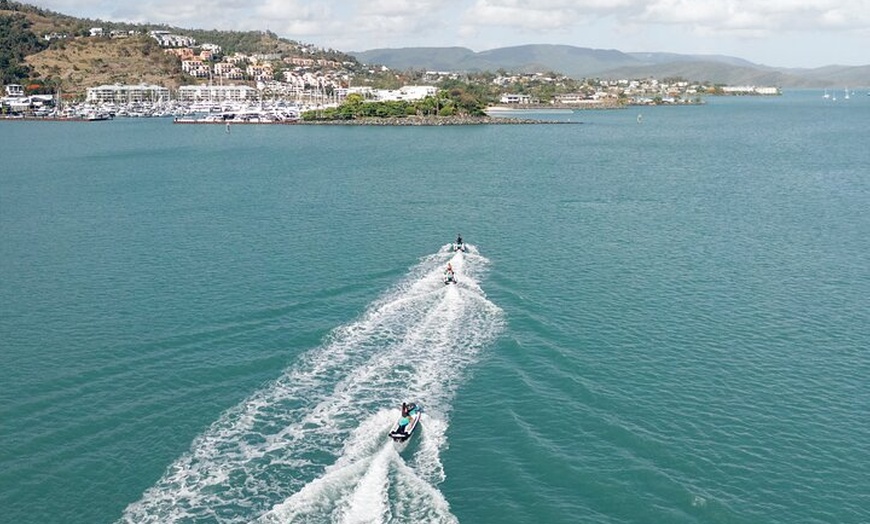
[{"x": 777, "y": 33}]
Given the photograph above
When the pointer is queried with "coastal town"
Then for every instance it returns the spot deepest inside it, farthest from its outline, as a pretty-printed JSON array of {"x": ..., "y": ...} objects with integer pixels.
[{"x": 282, "y": 87}]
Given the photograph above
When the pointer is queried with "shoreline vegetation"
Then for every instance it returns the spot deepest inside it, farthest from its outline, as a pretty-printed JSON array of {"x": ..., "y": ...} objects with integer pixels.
[{"x": 433, "y": 121}]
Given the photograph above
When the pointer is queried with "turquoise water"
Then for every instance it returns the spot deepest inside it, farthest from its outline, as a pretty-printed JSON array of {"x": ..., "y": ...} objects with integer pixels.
[{"x": 656, "y": 322}]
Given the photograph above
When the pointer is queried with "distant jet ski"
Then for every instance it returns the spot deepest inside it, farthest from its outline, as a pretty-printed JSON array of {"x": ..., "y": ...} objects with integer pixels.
[
  {"x": 459, "y": 245},
  {"x": 402, "y": 429}
]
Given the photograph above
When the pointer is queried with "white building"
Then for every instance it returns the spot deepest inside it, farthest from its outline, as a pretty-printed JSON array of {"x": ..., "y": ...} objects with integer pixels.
[
  {"x": 213, "y": 48},
  {"x": 406, "y": 93},
  {"x": 578, "y": 99},
  {"x": 750, "y": 90},
  {"x": 418, "y": 92},
  {"x": 196, "y": 68},
  {"x": 14, "y": 90},
  {"x": 260, "y": 72},
  {"x": 125, "y": 94},
  {"x": 167, "y": 39},
  {"x": 54, "y": 35},
  {"x": 228, "y": 70},
  {"x": 511, "y": 98},
  {"x": 216, "y": 93},
  {"x": 15, "y": 100}
]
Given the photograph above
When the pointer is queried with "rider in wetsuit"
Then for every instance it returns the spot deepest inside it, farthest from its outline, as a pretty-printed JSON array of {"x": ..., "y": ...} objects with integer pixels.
[{"x": 408, "y": 411}]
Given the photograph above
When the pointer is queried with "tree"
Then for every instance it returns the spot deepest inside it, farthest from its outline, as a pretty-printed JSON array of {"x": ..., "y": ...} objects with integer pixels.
[
  {"x": 16, "y": 42},
  {"x": 462, "y": 99}
]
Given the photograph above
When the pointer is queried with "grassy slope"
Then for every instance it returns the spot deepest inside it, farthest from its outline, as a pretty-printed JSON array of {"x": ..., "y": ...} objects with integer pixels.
[
  {"x": 89, "y": 62},
  {"x": 46, "y": 23},
  {"x": 83, "y": 62}
]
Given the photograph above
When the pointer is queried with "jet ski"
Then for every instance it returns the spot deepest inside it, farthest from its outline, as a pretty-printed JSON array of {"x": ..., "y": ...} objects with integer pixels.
[
  {"x": 403, "y": 427},
  {"x": 460, "y": 247},
  {"x": 449, "y": 275}
]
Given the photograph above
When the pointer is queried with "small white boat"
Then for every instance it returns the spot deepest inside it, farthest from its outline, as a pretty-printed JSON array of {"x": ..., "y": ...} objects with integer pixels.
[{"x": 96, "y": 117}]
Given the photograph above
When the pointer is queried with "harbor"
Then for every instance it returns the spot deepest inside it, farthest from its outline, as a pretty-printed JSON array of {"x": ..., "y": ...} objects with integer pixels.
[{"x": 280, "y": 112}]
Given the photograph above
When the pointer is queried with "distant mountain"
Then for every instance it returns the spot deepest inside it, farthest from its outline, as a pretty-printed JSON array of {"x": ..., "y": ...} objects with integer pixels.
[
  {"x": 837, "y": 76},
  {"x": 569, "y": 60},
  {"x": 429, "y": 58},
  {"x": 580, "y": 62},
  {"x": 713, "y": 72},
  {"x": 667, "y": 58},
  {"x": 558, "y": 58}
]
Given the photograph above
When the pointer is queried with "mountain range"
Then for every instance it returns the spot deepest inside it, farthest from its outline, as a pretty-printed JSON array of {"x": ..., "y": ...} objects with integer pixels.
[
  {"x": 581, "y": 62},
  {"x": 83, "y": 62}
]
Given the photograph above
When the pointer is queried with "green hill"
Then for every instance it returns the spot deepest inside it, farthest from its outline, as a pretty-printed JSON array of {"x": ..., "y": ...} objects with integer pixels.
[
  {"x": 17, "y": 41},
  {"x": 74, "y": 60}
]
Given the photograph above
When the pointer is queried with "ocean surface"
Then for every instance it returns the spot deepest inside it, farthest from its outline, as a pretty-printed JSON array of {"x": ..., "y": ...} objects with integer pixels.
[{"x": 662, "y": 319}]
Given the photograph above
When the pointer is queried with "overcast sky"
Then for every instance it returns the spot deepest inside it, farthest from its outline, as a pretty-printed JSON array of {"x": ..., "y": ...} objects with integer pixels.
[{"x": 782, "y": 33}]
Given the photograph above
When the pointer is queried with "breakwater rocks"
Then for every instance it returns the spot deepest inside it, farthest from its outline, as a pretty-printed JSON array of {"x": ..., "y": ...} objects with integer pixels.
[{"x": 434, "y": 121}]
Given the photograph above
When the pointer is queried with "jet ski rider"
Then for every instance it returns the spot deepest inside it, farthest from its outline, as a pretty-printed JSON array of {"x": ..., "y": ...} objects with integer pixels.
[{"x": 408, "y": 410}]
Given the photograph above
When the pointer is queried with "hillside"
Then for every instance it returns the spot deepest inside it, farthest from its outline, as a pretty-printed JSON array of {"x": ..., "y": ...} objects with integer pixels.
[
  {"x": 17, "y": 41},
  {"x": 429, "y": 58},
  {"x": 74, "y": 60},
  {"x": 88, "y": 62},
  {"x": 43, "y": 21},
  {"x": 568, "y": 60},
  {"x": 77, "y": 62},
  {"x": 578, "y": 62}
]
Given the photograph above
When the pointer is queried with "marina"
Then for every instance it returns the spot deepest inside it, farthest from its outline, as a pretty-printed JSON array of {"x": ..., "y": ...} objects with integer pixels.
[{"x": 280, "y": 112}]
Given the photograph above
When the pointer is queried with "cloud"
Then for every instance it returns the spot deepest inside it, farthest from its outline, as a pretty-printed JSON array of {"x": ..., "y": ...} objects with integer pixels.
[
  {"x": 528, "y": 19},
  {"x": 484, "y": 24},
  {"x": 710, "y": 17},
  {"x": 394, "y": 19},
  {"x": 403, "y": 8}
]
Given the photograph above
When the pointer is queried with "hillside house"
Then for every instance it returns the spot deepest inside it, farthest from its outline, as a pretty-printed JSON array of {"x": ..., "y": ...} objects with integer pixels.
[{"x": 512, "y": 98}]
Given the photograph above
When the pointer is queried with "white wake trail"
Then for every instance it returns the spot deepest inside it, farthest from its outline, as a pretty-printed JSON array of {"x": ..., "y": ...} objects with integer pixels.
[{"x": 312, "y": 446}]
